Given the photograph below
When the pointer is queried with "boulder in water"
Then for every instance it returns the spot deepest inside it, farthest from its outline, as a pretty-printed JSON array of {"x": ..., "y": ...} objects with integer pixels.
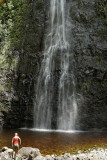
[
  {"x": 6, "y": 153},
  {"x": 48, "y": 157},
  {"x": 29, "y": 153},
  {"x": 40, "y": 158},
  {"x": 4, "y": 149}
]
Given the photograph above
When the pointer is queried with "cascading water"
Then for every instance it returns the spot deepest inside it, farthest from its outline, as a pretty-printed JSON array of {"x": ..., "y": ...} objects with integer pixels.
[{"x": 55, "y": 104}]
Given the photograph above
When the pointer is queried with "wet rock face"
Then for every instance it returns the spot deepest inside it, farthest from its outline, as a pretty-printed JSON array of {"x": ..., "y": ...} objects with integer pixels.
[
  {"x": 88, "y": 44},
  {"x": 89, "y": 47},
  {"x": 29, "y": 52}
]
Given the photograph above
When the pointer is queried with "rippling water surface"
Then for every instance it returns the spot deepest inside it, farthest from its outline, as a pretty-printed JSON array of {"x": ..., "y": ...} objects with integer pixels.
[{"x": 55, "y": 142}]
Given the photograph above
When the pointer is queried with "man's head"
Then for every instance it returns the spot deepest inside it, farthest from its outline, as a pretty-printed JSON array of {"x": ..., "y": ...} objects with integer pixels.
[{"x": 16, "y": 134}]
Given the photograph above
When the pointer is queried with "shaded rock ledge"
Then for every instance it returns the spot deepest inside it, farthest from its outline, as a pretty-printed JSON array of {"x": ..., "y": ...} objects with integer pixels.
[{"x": 29, "y": 153}]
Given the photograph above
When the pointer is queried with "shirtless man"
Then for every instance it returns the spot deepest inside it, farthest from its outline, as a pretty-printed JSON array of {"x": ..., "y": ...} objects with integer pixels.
[{"x": 16, "y": 141}]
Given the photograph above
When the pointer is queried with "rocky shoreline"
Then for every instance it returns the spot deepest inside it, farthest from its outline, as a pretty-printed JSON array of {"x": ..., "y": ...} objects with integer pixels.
[{"x": 29, "y": 153}]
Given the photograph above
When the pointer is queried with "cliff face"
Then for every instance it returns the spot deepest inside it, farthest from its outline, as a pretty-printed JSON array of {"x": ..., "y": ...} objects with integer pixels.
[
  {"x": 25, "y": 44},
  {"x": 21, "y": 52},
  {"x": 88, "y": 43}
]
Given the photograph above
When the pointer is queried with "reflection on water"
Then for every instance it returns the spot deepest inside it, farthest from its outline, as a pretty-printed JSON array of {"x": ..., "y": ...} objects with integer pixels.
[{"x": 54, "y": 142}]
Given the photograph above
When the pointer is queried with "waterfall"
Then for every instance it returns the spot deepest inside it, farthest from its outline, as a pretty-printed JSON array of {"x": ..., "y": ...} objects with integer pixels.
[{"x": 55, "y": 104}]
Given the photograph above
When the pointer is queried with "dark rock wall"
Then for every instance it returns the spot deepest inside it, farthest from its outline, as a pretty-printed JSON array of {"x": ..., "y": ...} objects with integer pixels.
[
  {"x": 89, "y": 45},
  {"x": 26, "y": 35},
  {"x": 87, "y": 36},
  {"x": 28, "y": 65}
]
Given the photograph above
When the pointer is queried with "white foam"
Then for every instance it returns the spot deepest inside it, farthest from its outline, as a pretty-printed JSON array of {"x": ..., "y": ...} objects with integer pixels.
[{"x": 50, "y": 130}]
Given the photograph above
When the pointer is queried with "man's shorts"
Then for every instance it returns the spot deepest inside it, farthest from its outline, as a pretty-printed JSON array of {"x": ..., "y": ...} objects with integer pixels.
[{"x": 16, "y": 147}]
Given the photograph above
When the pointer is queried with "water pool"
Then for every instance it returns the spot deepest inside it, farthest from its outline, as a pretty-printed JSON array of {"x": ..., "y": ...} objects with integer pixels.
[{"x": 55, "y": 142}]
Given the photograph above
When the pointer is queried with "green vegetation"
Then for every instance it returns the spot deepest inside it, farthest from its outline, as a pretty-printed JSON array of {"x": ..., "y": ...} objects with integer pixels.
[
  {"x": 8, "y": 58},
  {"x": 18, "y": 35},
  {"x": 12, "y": 23},
  {"x": 101, "y": 8},
  {"x": 13, "y": 20}
]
